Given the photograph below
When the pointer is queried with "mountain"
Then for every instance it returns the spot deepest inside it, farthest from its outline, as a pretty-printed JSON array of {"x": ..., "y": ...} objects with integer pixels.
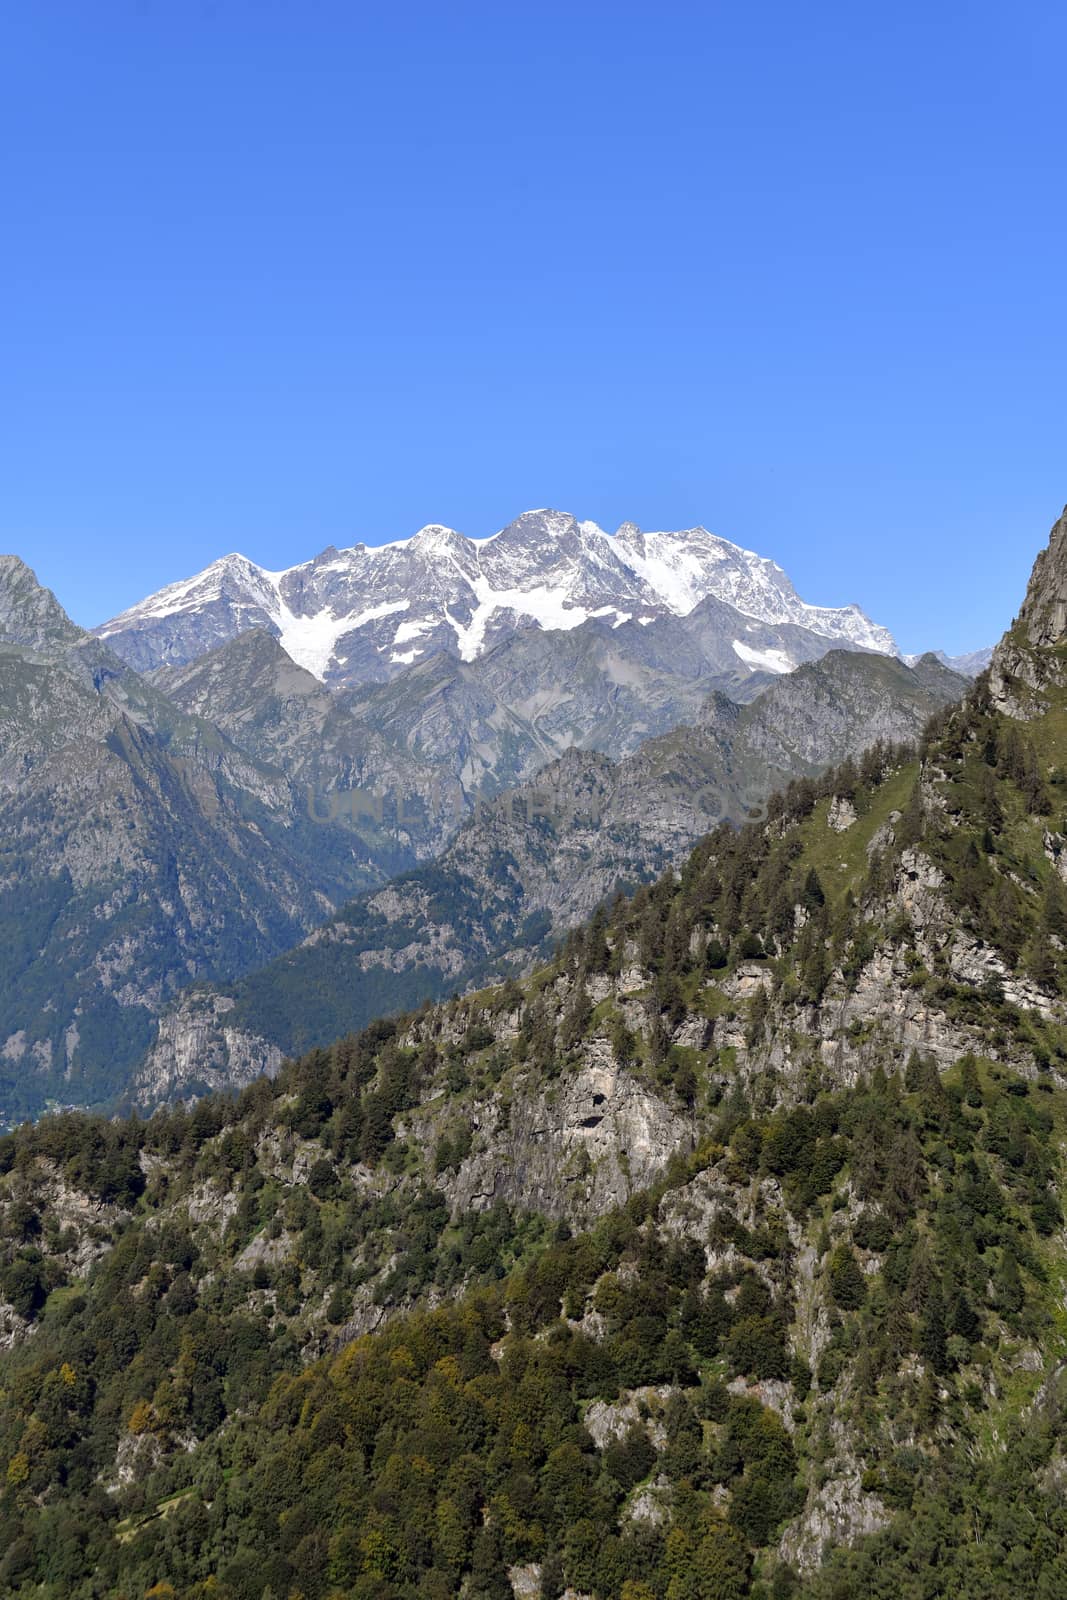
[
  {"x": 493, "y": 721},
  {"x": 189, "y": 825},
  {"x": 30, "y": 616},
  {"x": 141, "y": 848},
  {"x": 443, "y": 733},
  {"x": 532, "y": 863},
  {"x": 1027, "y": 669},
  {"x": 410, "y": 804},
  {"x": 363, "y": 614},
  {"x": 721, "y": 1257},
  {"x": 968, "y": 665}
]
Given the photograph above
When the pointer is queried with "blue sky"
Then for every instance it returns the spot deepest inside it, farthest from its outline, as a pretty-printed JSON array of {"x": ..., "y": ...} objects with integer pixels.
[{"x": 280, "y": 276}]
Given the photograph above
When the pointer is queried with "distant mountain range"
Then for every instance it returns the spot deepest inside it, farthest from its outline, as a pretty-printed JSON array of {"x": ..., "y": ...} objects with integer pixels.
[
  {"x": 970, "y": 664},
  {"x": 182, "y": 802},
  {"x": 364, "y": 614}
]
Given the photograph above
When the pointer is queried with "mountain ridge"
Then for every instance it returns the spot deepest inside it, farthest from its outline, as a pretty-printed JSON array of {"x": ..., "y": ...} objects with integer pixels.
[
  {"x": 361, "y": 613},
  {"x": 721, "y": 1257},
  {"x": 536, "y": 860}
]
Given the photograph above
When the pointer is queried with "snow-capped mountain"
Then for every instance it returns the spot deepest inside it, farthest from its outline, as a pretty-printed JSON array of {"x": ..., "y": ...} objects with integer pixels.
[{"x": 364, "y": 614}]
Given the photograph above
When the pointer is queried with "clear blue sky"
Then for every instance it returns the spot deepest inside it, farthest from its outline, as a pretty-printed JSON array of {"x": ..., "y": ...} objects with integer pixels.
[{"x": 276, "y": 276}]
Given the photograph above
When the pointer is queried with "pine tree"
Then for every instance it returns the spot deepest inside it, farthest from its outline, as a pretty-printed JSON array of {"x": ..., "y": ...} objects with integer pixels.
[
  {"x": 1054, "y": 908},
  {"x": 758, "y": 1011},
  {"x": 910, "y": 826},
  {"x": 1008, "y": 1284},
  {"x": 989, "y": 808},
  {"x": 969, "y": 1081},
  {"x": 932, "y": 1338},
  {"x": 1011, "y": 757},
  {"x": 847, "y": 1282},
  {"x": 1032, "y": 784}
]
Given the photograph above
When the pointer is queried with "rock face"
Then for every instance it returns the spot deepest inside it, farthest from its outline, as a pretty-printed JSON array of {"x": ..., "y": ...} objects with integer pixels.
[
  {"x": 573, "y": 1151},
  {"x": 364, "y": 614},
  {"x": 839, "y": 1513},
  {"x": 196, "y": 1050},
  {"x": 1026, "y": 662},
  {"x": 609, "y": 1422},
  {"x": 402, "y": 806},
  {"x": 1043, "y": 617},
  {"x": 30, "y": 615}
]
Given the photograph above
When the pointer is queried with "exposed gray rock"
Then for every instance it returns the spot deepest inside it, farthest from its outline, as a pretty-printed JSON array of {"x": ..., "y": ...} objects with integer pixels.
[
  {"x": 838, "y": 1512},
  {"x": 1024, "y": 663},
  {"x": 362, "y": 614},
  {"x": 1043, "y": 618},
  {"x": 197, "y": 1050},
  {"x": 607, "y": 1422},
  {"x": 570, "y": 1149}
]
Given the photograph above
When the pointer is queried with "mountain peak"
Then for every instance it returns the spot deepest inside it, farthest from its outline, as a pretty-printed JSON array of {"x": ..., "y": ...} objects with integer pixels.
[
  {"x": 362, "y": 614},
  {"x": 1023, "y": 668},
  {"x": 30, "y": 614},
  {"x": 436, "y": 536},
  {"x": 1044, "y": 611}
]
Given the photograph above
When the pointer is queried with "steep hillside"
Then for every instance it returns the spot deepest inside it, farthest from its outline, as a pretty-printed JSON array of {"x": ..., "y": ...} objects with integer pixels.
[
  {"x": 831, "y": 1326},
  {"x": 406, "y": 808}
]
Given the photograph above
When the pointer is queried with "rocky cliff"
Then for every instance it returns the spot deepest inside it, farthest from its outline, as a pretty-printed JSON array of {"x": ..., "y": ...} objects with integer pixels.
[{"x": 1029, "y": 659}]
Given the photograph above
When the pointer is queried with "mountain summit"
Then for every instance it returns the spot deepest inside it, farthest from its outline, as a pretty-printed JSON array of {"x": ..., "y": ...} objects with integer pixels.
[
  {"x": 363, "y": 614},
  {"x": 30, "y": 615},
  {"x": 1044, "y": 611},
  {"x": 1026, "y": 663}
]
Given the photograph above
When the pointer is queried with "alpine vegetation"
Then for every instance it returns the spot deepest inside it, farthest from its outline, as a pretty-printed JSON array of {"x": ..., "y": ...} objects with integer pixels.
[{"x": 720, "y": 1255}]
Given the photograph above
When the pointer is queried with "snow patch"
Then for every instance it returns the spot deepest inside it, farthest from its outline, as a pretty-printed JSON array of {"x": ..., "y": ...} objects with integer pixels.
[
  {"x": 763, "y": 660},
  {"x": 311, "y": 641},
  {"x": 412, "y": 630},
  {"x": 674, "y": 574},
  {"x": 549, "y": 608}
]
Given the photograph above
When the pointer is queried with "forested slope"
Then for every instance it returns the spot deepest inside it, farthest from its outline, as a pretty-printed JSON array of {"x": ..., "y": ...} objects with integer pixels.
[{"x": 724, "y": 1256}]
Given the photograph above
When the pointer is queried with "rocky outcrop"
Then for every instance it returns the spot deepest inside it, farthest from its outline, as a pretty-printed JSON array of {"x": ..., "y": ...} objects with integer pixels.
[
  {"x": 606, "y": 1422},
  {"x": 1024, "y": 664},
  {"x": 837, "y": 1513},
  {"x": 30, "y": 615},
  {"x": 1043, "y": 618},
  {"x": 197, "y": 1050},
  {"x": 571, "y": 1149}
]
